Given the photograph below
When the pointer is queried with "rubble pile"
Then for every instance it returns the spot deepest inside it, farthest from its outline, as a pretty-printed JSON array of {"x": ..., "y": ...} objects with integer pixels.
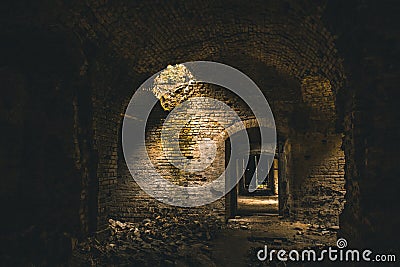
[{"x": 167, "y": 240}]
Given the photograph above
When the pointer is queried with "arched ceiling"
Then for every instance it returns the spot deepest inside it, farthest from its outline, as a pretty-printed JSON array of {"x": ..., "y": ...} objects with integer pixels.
[{"x": 153, "y": 34}]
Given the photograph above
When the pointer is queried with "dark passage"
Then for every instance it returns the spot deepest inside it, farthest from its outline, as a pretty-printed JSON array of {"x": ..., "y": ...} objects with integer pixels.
[{"x": 68, "y": 70}]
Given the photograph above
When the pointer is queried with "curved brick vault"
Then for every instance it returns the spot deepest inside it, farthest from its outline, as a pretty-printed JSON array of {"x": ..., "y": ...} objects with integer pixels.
[{"x": 151, "y": 35}]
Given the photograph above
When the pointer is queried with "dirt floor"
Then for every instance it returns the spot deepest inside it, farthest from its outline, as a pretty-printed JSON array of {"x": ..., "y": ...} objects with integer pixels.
[
  {"x": 257, "y": 225},
  {"x": 203, "y": 240},
  {"x": 249, "y": 205},
  {"x": 238, "y": 243}
]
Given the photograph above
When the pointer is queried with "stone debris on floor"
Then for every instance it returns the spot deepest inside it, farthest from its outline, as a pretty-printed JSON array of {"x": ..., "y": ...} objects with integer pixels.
[
  {"x": 167, "y": 240},
  {"x": 196, "y": 240},
  {"x": 245, "y": 235}
]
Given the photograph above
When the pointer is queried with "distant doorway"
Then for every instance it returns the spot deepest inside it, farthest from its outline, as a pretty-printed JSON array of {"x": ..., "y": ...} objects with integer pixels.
[{"x": 264, "y": 200}]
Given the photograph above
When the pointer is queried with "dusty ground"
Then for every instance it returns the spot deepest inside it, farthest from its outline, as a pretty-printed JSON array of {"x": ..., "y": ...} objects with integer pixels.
[
  {"x": 249, "y": 205},
  {"x": 238, "y": 244},
  {"x": 259, "y": 225},
  {"x": 202, "y": 240}
]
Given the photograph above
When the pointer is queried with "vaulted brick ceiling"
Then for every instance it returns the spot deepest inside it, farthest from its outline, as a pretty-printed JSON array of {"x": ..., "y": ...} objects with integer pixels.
[{"x": 153, "y": 34}]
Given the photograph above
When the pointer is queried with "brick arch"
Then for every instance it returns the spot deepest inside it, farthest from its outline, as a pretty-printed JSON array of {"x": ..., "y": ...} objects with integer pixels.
[{"x": 240, "y": 126}]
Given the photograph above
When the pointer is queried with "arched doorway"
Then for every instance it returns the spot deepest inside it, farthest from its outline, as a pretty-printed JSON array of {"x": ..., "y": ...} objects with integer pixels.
[{"x": 265, "y": 199}]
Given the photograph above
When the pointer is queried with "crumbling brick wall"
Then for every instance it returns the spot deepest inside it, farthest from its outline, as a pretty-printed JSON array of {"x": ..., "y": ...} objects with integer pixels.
[
  {"x": 132, "y": 203},
  {"x": 317, "y": 181}
]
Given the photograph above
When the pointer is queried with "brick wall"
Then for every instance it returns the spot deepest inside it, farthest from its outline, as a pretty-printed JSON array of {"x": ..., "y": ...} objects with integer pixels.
[
  {"x": 132, "y": 203},
  {"x": 106, "y": 126},
  {"x": 313, "y": 166},
  {"x": 368, "y": 109},
  {"x": 317, "y": 178}
]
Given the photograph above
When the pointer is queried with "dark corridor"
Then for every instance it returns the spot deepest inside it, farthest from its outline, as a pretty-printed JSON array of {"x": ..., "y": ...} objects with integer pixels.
[{"x": 329, "y": 70}]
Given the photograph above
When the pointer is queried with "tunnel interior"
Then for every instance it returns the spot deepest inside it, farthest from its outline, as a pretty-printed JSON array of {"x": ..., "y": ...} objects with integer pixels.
[{"x": 70, "y": 68}]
